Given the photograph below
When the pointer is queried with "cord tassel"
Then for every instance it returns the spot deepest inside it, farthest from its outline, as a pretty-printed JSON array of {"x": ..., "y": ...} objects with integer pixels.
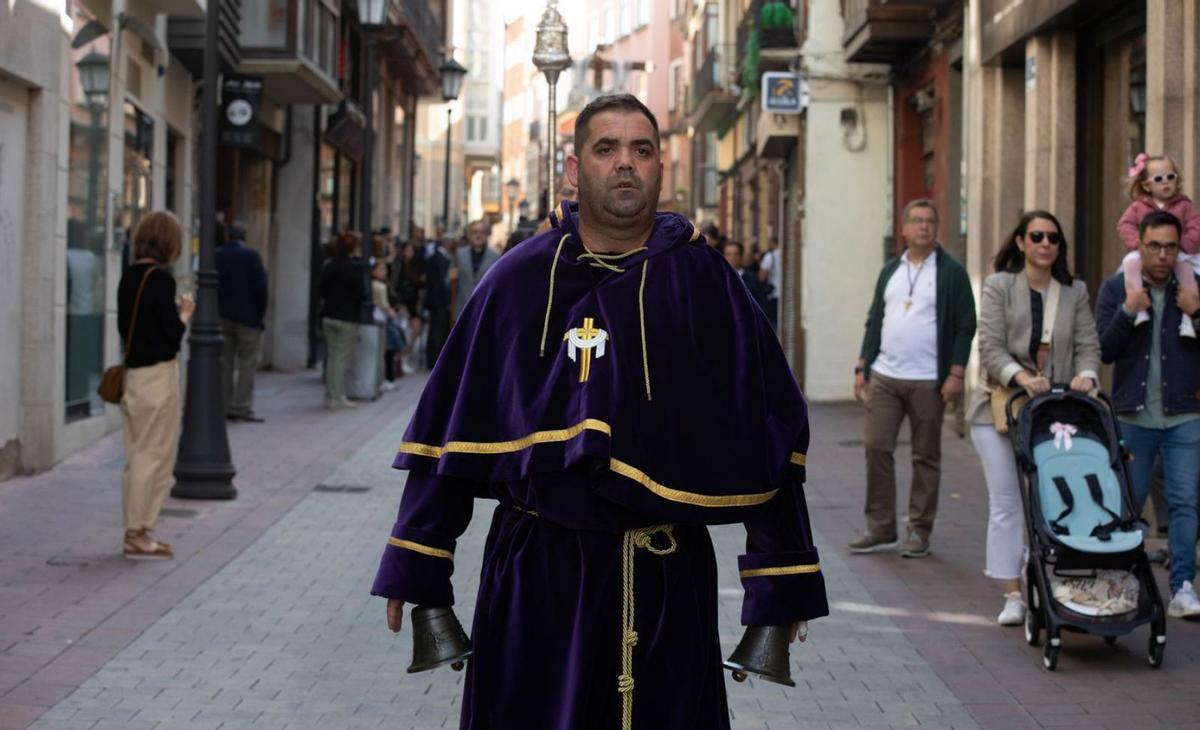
[{"x": 636, "y": 538}]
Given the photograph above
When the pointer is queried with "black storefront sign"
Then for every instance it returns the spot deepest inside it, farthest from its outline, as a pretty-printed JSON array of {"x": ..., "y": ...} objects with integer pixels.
[
  {"x": 241, "y": 101},
  {"x": 1005, "y": 23}
]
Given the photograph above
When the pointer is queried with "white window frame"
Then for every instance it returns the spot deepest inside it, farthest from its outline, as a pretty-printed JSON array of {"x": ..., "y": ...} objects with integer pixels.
[{"x": 674, "y": 76}]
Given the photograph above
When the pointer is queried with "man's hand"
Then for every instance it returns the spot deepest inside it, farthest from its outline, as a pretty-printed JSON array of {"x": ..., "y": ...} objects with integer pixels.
[
  {"x": 799, "y": 631},
  {"x": 187, "y": 307},
  {"x": 1137, "y": 301},
  {"x": 1188, "y": 301},
  {"x": 395, "y": 614},
  {"x": 861, "y": 386},
  {"x": 952, "y": 388}
]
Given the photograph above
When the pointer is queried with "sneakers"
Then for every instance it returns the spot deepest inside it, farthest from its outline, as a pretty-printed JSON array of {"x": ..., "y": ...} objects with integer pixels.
[
  {"x": 1186, "y": 328},
  {"x": 334, "y": 404},
  {"x": 868, "y": 543},
  {"x": 916, "y": 546},
  {"x": 1184, "y": 604},
  {"x": 1014, "y": 610},
  {"x": 387, "y": 386}
]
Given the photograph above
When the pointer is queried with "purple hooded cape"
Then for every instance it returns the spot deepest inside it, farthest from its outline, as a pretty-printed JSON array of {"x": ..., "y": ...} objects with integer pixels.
[{"x": 591, "y": 394}]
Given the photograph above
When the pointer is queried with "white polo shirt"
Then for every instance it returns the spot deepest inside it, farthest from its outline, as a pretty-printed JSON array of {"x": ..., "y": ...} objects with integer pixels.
[{"x": 908, "y": 343}]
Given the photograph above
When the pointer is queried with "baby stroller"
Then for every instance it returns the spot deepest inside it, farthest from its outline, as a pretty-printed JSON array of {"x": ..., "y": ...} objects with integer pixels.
[{"x": 1080, "y": 520}]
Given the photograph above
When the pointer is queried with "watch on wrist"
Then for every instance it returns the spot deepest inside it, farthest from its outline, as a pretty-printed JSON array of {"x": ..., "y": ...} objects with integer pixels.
[{"x": 859, "y": 369}]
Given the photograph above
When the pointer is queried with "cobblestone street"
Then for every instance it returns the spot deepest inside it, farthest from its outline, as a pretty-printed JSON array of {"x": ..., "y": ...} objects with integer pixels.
[{"x": 264, "y": 619}]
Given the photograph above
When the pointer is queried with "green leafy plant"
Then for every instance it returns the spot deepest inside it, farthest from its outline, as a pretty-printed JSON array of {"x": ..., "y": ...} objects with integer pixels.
[
  {"x": 750, "y": 65},
  {"x": 776, "y": 15}
]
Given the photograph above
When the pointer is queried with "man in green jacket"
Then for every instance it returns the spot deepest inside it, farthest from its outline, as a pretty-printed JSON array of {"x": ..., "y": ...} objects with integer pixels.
[{"x": 914, "y": 351}]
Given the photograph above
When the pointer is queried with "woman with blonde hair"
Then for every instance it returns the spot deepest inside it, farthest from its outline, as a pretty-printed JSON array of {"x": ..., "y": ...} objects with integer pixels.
[{"x": 151, "y": 320}]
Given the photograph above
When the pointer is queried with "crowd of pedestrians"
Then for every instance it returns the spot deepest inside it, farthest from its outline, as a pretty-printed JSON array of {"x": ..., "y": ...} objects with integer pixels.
[{"x": 1036, "y": 331}]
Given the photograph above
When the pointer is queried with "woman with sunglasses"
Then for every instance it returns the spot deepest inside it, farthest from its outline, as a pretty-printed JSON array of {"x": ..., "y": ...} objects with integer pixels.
[
  {"x": 1035, "y": 328},
  {"x": 1155, "y": 185}
]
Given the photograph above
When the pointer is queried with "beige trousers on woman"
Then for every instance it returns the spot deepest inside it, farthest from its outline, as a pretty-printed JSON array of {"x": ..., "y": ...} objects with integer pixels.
[{"x": 150, "y": 413}]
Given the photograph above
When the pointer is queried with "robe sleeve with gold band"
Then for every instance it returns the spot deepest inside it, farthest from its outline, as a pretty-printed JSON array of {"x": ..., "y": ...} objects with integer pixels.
[{"x": 598, "y": 396}]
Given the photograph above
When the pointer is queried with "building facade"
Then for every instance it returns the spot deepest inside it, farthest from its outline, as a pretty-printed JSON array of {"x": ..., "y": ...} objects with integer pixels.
[{"x": 99, "y": 125}]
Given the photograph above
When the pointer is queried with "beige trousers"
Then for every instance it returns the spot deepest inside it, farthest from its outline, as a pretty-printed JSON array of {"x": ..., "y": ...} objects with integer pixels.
[
  {"x": 151, "y": 412},
  {"x": 889, "y": 402}
]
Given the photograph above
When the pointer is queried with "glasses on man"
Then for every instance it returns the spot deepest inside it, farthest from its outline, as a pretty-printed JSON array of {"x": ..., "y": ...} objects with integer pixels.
[
  {"x": 1051, "y": 238},
  {"x": 1158, "y": 249},
  {"x": 1169, "y": 177},
  {"x": 916, "y": 220}
]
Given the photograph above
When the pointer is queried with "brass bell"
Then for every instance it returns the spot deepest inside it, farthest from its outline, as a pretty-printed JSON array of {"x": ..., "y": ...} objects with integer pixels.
[
  {"x": 438, "y": 638},
  {"x": 763, "y": 651}
]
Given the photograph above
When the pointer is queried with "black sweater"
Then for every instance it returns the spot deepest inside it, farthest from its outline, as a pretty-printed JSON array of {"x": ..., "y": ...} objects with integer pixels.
[
  {"x": 343, "y": 286},
  {"x": 158, "y": 331}
]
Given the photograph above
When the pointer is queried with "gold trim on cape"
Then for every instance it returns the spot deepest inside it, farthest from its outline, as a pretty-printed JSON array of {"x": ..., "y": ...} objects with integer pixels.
[
  {"x": 676, "y": 495},
  {"x": 417, "y": 547},
  {"x": 784, "y": 570},
  {"x": 616, "y": 465},
  {"x": 506, "y": 447}
]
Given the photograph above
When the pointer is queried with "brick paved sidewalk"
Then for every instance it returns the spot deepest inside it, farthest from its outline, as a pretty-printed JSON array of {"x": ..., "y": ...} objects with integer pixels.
[
  {"x": 69, "y": 602},
  {"x": 946, "y": 607},
  {"x": 284, "y": 634}
]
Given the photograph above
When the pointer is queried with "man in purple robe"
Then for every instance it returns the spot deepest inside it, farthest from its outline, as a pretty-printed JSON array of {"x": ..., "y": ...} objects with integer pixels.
[{"x": 613, "y": 385}]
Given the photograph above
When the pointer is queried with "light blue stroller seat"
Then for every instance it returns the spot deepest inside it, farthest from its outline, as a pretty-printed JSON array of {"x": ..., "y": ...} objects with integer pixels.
[{"x": 1092, "y": 498}]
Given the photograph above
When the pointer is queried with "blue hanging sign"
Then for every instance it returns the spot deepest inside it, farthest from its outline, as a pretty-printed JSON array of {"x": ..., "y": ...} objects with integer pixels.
[{"x": 783, "y": 92}]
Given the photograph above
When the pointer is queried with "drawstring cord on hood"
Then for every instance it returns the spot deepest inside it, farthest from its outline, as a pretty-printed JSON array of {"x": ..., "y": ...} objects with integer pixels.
[
  {"x": 601, "y": 260},
  {"x": 550, "y": 294}
]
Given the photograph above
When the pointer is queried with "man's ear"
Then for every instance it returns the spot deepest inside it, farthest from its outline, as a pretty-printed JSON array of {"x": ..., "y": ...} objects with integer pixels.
[{"x": 571, "y": 167}]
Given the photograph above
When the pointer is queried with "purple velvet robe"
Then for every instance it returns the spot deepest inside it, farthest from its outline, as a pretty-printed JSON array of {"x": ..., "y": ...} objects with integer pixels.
[{"x": 689, "y": 417}]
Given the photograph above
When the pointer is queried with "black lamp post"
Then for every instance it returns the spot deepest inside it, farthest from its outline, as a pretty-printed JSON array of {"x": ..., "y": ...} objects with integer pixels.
[
  {"x": 203, "y": 468},
  {"x": 452, "y": 77},
  {"x": 372, "y": 16},
  {"x": 94, "y": 77}
]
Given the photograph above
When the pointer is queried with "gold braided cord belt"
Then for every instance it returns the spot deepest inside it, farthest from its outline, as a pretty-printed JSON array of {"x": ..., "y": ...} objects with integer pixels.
[{"x": 639, "y": 537}]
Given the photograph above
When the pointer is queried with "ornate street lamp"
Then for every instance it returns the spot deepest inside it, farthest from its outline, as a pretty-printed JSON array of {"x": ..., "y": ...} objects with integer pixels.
[
  {"x": 452, "y": 79},
  {"x": 94, "y": 76},
  {"x": 372, "y": 12},
  {"x": 551, "y": 56}
]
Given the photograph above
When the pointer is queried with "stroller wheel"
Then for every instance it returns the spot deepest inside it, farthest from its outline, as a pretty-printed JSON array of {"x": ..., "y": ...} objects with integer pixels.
[
  {"x": 1050, "y": 654},
  {"x": 1157, "y": 648},
  {"x": 1033, "y": 626}
]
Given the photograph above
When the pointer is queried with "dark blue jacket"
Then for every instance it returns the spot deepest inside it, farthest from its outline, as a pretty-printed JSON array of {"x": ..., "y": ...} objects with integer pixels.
[
  {"x": 1128, "y": 349},
  {"x": 242, "y": 287}
]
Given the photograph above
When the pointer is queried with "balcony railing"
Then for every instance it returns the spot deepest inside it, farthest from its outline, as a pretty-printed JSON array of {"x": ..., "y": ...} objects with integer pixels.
[
  {"x": 886, "y": 31},
  {"x": 715, "y": 74},
  {"x": 293, "y": 43}
]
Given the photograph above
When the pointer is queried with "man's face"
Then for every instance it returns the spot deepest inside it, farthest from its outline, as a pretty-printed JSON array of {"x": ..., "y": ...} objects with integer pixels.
[
  {"x": 619, "y": 171},
  {"x": 920, "y": 227},
  {"x": 418, "y": 235},
  {"x": 733, "y": 256},
  {"x": 1159, "y": 249},
  {"x": 477, "y": 235}
]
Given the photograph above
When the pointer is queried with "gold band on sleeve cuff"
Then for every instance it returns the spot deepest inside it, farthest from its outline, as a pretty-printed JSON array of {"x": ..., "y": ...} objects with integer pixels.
[
  {"x": 799, "y": 459},
  {"x": 783, "y": 570},
  {"x": 417, "y": 547}
]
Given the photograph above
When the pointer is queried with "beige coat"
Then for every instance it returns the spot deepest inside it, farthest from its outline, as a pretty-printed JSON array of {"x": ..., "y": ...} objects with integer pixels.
[{"x": 1005, "y": 330}]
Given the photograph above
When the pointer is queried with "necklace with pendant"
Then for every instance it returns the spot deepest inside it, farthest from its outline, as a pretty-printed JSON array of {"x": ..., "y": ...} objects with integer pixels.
[{"x": 912, "y": 280}]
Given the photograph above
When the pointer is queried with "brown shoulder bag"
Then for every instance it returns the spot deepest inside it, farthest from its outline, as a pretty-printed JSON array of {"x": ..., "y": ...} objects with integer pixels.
[{"x": 112, "y": 384}]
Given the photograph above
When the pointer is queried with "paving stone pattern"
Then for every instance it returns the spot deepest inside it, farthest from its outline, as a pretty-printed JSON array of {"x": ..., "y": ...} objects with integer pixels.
[{"x": 285, "y": 636}]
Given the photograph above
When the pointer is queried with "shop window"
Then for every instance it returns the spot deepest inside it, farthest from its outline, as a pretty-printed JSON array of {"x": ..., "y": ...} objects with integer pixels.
[
  {"x": 264, "y": 24},
  {"x": 87, "y": 220}
]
